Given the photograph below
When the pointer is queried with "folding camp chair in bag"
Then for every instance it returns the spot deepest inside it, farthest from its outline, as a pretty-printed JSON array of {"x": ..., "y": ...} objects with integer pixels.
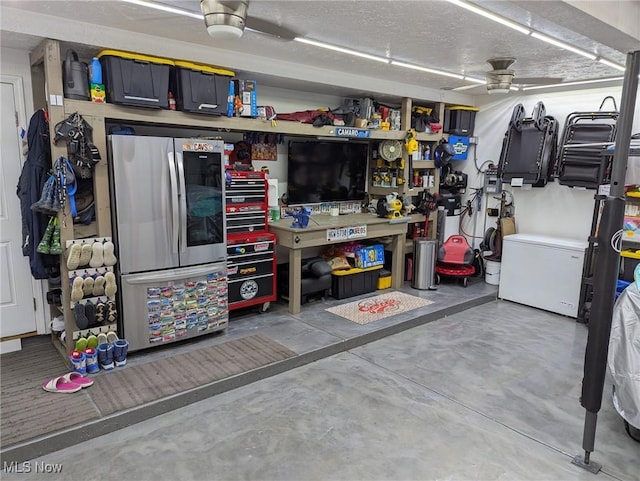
[
  {"x": 529, "y": 147},
  {"x": 583, "y": 159}
]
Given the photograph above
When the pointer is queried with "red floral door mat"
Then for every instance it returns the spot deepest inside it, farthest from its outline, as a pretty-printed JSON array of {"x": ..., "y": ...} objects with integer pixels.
[{"x": 375, "y": 308}]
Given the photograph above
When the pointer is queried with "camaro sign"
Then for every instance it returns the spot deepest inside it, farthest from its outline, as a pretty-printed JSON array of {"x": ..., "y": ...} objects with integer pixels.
[
  {"x": 349, "y": 132},
  {"x": 346, "y": 233}
]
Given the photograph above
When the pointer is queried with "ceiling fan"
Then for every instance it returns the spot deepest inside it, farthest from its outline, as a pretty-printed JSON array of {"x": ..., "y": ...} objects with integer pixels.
[
  {"x": 227, "y": 20},
  {"x": 500, "y": 79}
]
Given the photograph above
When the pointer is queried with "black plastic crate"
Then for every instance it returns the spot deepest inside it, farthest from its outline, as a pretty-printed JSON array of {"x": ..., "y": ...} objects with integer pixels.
[
  {"x": 349, "y": 285},
  {"x": 200, "y": 88},
  {"x": 459, "y": 121},
  {"x": 134, "y": 79}
]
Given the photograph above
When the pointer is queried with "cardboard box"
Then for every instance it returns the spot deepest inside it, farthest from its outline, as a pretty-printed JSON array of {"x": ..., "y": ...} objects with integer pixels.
[
  {"x": 369, "y": 256},
  {"x": 98, "y": 94},
  {"x": 246, "y": 93}
]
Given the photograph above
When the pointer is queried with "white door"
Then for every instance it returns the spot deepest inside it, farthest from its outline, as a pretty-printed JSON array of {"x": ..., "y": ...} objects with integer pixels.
[{"x": 17, "y": 315}]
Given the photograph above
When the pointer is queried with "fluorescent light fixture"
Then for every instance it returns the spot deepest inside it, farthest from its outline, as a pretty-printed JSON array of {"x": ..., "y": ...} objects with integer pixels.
[
  {"x": 609, "y": 63},
  {"x": 166, "y": 8},
  {"x": 428, "y": 70},
  {"x": 491, "y": 16},
  {"x": 570, "y": 84},
  {"x": 335, "y": 48},
  {"x": 563, "y": 45}
]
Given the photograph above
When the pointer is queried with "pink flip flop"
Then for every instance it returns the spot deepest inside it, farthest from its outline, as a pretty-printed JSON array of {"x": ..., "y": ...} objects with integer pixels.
[
  {"x": 59, "y": 384},
  {"x": 76, "y": 378}
]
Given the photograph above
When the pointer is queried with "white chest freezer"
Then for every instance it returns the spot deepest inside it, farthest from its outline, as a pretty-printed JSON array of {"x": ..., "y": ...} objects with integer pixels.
[{"x": 543, "y": 272}]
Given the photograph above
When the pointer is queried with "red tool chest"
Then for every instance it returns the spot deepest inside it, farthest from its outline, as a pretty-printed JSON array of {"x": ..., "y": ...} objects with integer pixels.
[
  {"x": 246, "y": 203},
  {"x": 251, "y": 249},
  {"x": 251, "y": 270}
]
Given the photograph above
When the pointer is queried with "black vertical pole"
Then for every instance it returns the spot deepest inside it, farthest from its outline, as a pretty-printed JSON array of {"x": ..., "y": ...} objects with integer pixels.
[{"x": 606, "y": 270}]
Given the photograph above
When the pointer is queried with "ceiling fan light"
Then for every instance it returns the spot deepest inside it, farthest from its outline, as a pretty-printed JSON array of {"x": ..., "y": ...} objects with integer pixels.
[
  {"x": 224, "y": 32},
  {"x": 498, "y": 89},
  {"x": 224, "y": 21}
]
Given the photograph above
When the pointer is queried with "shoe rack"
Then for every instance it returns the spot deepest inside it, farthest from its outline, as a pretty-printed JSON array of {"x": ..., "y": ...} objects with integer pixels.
[
  {"x": 46, "y": 69},
  {"x": 91, "y": 286}
]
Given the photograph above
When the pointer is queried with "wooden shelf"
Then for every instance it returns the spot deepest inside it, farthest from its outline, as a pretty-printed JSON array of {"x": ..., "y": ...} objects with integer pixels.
[
  {"x": 184, "y": 119},
  {"x": 385, "y": 190}
]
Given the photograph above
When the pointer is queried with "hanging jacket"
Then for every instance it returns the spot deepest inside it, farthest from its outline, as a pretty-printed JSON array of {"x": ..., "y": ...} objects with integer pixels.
[{"x": 35, "y": 172}]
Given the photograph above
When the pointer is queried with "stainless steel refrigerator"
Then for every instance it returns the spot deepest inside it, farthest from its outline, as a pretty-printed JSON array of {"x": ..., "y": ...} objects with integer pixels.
[{"x": 167, "y": 203}]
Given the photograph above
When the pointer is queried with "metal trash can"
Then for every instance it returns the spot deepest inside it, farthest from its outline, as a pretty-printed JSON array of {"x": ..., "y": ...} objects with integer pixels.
[{"x": 425, "y": 255}]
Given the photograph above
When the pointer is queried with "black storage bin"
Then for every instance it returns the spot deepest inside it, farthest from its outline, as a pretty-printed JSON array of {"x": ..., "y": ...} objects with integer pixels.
[
  {"x": 200, "y": 88},
  {"x": 134, "y": 79},
  {"x": 348, "y": 285},
  {"x": 459, "y": 121},
  {"x": 629, "y": 260}
]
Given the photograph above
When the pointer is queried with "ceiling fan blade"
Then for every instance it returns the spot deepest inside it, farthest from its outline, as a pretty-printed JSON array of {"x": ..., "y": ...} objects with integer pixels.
[
  {"x": 472, "y": 88},
  {"x": 269, "y": 28},
  {"x": 537, "y": 80}
]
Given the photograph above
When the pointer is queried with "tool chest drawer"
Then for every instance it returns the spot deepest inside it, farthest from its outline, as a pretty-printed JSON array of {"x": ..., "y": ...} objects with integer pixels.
[
  {"x": 246, "y": 222},
  {"x": 257, "y": 247}
]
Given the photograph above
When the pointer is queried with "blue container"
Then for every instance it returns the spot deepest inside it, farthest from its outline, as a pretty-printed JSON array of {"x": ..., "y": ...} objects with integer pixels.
[
  {"x": 460, "y": 146},
  {"x": 96, "y": 71}
]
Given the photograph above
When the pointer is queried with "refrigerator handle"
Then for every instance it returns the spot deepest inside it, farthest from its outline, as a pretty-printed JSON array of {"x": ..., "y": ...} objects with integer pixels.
[
  {"x": 175, "y": 221},
  {"x": 175, "y": 274},
  {"x": 182, "y": 197}
]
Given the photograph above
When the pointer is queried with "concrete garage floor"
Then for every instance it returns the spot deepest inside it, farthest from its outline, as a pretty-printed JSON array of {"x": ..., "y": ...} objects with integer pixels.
[{"x": 488, "y": 393}]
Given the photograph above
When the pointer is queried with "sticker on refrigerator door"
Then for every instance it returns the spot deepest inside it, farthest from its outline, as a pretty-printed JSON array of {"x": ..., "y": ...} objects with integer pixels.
[
  {"x": 154, "y": 305},
  {"x": 153, "y": 292},
  {"x": 197, "y": 147},
  {"x": 248, "y": 289}
]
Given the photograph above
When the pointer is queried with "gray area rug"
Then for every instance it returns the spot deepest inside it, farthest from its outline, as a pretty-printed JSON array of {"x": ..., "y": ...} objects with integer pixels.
[{"x": 26, "y": 410}]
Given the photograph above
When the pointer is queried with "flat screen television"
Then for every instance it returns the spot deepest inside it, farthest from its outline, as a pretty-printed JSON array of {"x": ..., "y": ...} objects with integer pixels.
[{"x": 324, "y": 171}]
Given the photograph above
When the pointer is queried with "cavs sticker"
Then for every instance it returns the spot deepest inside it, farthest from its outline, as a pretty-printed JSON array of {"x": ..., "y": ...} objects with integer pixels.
[{"x": 197, "y": 147}]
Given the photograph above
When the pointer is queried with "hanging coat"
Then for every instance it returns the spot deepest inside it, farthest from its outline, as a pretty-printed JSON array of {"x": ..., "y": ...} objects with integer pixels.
[{"x": 35, "y": 172}]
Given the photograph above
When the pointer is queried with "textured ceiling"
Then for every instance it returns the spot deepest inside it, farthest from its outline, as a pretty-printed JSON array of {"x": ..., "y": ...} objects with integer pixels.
[{"x": 434, "y": 34}]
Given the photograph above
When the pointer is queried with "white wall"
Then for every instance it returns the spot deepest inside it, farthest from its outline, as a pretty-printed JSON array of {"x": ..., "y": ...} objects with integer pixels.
[{"x": 554, "y": 210}]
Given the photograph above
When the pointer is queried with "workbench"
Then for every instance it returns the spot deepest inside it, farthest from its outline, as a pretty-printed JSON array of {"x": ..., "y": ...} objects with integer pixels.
[{"x": 326, "y": 230}]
